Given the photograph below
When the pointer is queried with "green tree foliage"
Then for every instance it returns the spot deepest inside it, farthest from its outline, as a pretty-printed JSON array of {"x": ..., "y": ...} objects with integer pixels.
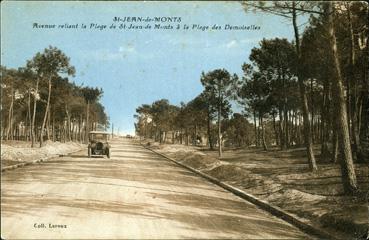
[
  {"x": 163, "y": 115},
  {"x": 144, "y": 124},
  {"x": 47, "y": 66},
  {"x": 156, "y": 120},
  {"x": 32, "y": 108},
  {"x": 91, "y": 96},
  {"x": 202, "y": 114},
  {"x": 269, "y": 86},
  {"x": 313, "y": 90},
  {"x": 256, "y": 91},
  {"x": 337, "y": 69},
  {"x": 332, "y": 77},
  {"x": 238, "y": 131},
  {"x": 291, "y": 10},
  {"x": 219, "y": 86}
]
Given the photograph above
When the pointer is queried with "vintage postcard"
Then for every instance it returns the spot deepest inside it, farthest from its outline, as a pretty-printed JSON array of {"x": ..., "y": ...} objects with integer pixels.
[{"x": 184, "y": 120}]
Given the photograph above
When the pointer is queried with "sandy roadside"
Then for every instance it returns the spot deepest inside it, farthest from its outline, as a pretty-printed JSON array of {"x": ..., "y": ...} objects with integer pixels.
[
  {"x": 16, "y": 152},
  {"x": 281, "y": 179}
]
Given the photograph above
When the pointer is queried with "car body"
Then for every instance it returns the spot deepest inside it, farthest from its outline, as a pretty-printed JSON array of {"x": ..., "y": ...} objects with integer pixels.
[{"x": 98, "y": 144}]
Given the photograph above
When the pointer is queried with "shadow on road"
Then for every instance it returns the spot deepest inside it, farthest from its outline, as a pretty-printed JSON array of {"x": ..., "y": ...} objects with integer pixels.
[{"x": 158, "y": 189}]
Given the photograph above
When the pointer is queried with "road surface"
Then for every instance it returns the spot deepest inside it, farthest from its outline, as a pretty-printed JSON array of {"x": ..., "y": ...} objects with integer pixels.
[{"x": 135, "y": 194}]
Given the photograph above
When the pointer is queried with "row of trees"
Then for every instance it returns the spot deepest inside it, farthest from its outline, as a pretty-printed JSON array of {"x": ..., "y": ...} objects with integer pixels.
[
  {"x": 39, "y": 102},
  {"x": 314, "y": 89}
]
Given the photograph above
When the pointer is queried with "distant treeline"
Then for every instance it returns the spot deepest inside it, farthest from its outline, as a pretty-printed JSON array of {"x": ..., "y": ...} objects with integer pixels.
[
  {"x": 314, "y": 90},
  {"x": 38, "y": 101}
]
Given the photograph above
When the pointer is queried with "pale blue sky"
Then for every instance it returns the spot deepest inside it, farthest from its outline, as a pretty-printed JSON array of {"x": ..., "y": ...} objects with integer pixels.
[{"x": 136, "y": 67}]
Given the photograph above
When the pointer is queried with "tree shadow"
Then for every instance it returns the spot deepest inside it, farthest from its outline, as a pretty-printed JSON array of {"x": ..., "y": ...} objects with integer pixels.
[
  {"x": 31, "y": 204},
  {"x": 235, "y": 218},
  {"x": 168, "y": 192}
]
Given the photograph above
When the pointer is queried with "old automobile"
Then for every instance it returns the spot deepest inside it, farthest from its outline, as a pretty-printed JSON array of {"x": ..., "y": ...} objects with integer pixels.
[{"x": 98, "y": 144}]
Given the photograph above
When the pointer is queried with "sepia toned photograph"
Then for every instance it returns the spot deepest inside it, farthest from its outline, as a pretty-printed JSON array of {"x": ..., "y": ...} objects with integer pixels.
[{"x": 184, "y": 120}]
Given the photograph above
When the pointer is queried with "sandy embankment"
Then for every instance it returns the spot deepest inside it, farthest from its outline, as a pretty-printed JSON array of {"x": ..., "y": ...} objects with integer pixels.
[{"x": 14, "y": 152}]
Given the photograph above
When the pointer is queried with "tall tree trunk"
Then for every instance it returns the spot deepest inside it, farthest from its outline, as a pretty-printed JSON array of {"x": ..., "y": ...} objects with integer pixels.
[
  {"x": 29, "y": 114},
  {"x": 75, "y": 130},
  {"x": 304, "y": 101},
  {"x": 256, "y": 130},
  {"x": 24, "y": 128},
  {"x": 79, "y": 128},
  {"x": 33, "y": 137},
  {"x": 195, "y": 134},
  {"x": 334, "y": 125},
  {"x": 219, "y": 127},
  {"x": 335, "y": 151},
  {"x": 68, "y": 122},
  {"x": 281, "y": 134},
  {"x": 355, "y": 133},
  {"x": 37, "y": 131},
  {"x": 263, "y": 133},
  {"x": 351, "y": 72},
  {"x": 186, "y": 134},
  {"x": 360, "y": 115},
  {"x": 48, "y": 125},
  {"x": 87, "y": 120},
  {"x": 10, "y": 117},
  {"x": 325, "y": 119},
  {"x": 64, "y": 132},
  {"x": 210, "y": 140},
  {"x": 312, "y": 110},
  {"x": 319, "y": 127},
  {"x": 46, "y": 111},
  {"x": 18, "y": 131},
  {"x": 347, "y": 166},
  {"x": 275, "y": 130},
  {"x": 181, "y": 136},
  {"x": 285, "y": 113},
  {"x": 53, "y": 127},
  {"x": 286, "y": 128}
]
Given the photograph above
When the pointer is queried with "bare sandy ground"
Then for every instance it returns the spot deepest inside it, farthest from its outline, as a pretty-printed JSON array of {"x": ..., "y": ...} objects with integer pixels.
[
  {"x": 14, "y": 152},
  {"x": 135, "y": 194},
  {"x": 283, "y": 179}
]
